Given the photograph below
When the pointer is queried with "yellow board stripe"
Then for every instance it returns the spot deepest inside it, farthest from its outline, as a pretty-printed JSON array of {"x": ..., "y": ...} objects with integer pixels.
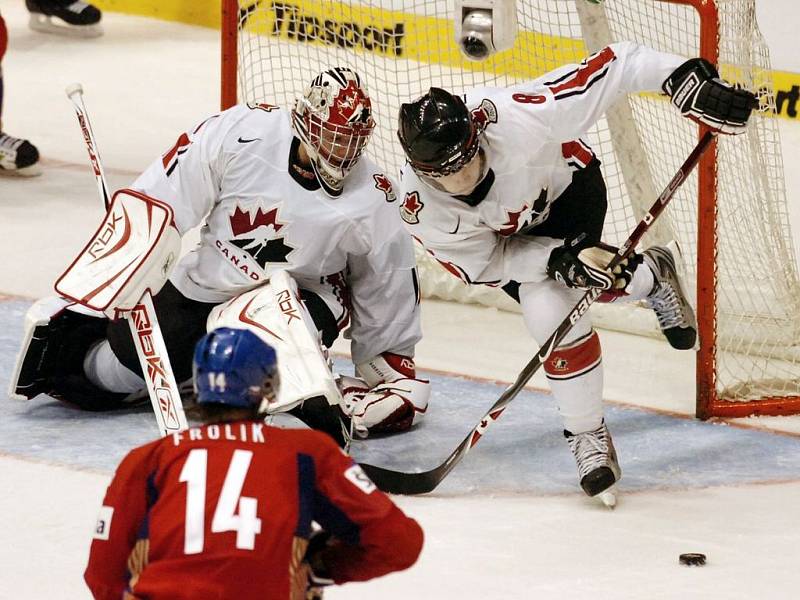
[
  {"x": 396, "y": 34},
  {"x": 787, "y": 93}
]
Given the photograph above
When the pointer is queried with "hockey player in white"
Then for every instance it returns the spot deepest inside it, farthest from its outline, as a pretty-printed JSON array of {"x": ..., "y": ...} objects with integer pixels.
[
  {"x": 275, "y": 191},
  {"x": 501, "y": 190}
]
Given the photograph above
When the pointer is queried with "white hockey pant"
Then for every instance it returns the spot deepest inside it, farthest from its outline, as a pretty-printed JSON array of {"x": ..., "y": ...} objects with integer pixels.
[{"x": 574, "y": 370}]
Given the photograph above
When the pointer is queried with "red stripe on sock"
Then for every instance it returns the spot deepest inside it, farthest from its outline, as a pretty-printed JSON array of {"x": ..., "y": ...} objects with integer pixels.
[{"x": 574, "y": 359}]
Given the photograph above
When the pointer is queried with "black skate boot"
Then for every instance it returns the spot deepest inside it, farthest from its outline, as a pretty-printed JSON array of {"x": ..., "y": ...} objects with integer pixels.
[
  {"x": 18, "y": 157},
  {"x": 67, "y": 17},
  {"x": 596, "y": 458},
  {"x": 675, "y": 315}
]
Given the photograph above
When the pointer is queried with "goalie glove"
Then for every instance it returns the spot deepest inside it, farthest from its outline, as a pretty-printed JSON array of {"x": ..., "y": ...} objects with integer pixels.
[
  {"x": 697, "y": 90},
  {"x": 582, "y": 266},
  {"x": 388, "y": 399}
]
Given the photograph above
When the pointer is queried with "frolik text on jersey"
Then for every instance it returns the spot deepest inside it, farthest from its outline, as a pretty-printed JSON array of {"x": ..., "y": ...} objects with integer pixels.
[{"x": 232, "y": 432}]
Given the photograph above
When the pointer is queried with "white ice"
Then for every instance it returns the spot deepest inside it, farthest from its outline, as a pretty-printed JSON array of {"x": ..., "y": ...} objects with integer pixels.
[{"x": 510, "y": 522}]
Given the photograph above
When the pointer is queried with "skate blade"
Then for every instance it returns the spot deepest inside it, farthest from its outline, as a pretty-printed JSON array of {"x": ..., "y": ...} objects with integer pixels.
[
  {"x": 45, "y": 24},
  {"x": 31, "y": 171},
  {"x": 608, "y": 497}
]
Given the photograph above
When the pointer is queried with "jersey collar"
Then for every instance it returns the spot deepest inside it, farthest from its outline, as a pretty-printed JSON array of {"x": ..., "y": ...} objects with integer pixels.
[
  {"x": 297, "y": 171},
  {"x": 478, "y": 195}
]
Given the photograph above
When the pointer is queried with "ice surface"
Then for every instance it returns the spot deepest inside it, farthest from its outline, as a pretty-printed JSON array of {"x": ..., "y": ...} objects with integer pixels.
[
  {"x": 509, "y": 522},
  {"x": 524, "y": 452}
]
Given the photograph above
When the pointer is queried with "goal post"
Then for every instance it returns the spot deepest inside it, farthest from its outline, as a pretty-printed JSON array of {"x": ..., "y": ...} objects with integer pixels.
[{"x": 730, "y": 218}]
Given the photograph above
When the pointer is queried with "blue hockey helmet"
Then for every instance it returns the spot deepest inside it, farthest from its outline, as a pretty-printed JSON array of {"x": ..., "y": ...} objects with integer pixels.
[{"x": 234, "y": 367}]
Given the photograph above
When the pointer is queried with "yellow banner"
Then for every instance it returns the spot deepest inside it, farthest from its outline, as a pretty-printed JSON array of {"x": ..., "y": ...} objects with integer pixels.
[
  {"x": 787, "y": 93},
  {"x": 205, "y": 13},
  {"x": 397, "y": 35}
]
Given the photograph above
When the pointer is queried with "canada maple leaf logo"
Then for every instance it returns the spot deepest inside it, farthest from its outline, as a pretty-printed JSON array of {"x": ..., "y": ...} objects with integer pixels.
[
  {"x": 242, "y": 221},
  {"x": 265, "y": 246},
  {"x": 383, "y": 183},
  {"x": 409, "y": 211}
]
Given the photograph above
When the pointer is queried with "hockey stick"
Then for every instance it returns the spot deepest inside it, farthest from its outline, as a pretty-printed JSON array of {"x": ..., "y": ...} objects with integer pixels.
[
  {"x": 75, "y": 94},
  {"x": 145, "y": 330},
  {"x": 398, "y": 482}
]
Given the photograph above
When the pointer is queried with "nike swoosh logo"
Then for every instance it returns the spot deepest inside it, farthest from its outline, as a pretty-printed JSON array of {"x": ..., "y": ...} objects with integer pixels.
[
  {"x": 244, "y": 141},
  {"x": 458, "y": 224}
]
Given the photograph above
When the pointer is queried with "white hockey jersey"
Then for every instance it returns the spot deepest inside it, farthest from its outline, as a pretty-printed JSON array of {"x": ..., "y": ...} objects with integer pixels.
[
  {"x": 232, "y": 173},
  {"x": 533, "y": 146}
]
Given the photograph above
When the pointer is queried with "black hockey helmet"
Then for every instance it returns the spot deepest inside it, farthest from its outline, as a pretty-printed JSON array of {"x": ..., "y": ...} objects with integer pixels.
[{"x": 437, "y": 133}]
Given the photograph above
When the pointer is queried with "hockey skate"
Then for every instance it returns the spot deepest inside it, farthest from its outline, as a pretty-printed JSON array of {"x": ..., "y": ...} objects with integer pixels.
[
  {"x": 18, "y": 157},
  {"x": 675, "y": 315},
  {"x": 65, "y": 17},
  {"x": 596, "y": 458}
]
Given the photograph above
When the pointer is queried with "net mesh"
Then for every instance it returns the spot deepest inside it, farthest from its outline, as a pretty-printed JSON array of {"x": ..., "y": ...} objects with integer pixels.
[{"x": 401, "y": 48}]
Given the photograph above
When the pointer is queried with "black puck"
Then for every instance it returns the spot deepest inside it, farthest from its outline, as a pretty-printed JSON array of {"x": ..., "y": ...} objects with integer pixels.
[{"x": 692, "y": 559}]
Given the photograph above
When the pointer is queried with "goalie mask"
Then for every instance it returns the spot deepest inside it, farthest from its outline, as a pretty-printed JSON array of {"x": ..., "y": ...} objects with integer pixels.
[
  {"x": 333, "y": 119},
  {"x": 441, "y": 141},
  {"x": 236, "y": 368}
]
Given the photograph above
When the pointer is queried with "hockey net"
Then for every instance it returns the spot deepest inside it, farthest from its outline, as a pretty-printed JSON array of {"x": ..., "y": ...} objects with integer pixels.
[{"x": 730, "y": 218}]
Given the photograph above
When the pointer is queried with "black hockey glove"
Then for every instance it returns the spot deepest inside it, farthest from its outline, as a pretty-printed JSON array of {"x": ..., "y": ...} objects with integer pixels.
[
  {"x": 578, "y": 264},
  {"x": 318, "y": 576},
  {"x": 697, "y": 90}
]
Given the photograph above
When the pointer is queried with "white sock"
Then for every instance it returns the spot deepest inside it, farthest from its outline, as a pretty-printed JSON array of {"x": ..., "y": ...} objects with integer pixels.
[
  {"x": 104, "y": 370},
  {"x": 580, "y": 400}
]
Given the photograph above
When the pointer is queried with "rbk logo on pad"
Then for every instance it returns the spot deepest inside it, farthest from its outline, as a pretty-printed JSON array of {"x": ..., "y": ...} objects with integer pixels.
[{"x": 256, "y": 234}]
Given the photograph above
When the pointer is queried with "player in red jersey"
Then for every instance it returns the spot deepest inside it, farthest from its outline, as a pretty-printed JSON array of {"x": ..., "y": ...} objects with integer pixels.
[{"x": 225, "y": 509}]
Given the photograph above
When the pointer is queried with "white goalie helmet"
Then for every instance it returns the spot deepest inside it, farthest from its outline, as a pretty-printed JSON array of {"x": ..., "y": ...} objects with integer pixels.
[{"x": 333, "y": 119}]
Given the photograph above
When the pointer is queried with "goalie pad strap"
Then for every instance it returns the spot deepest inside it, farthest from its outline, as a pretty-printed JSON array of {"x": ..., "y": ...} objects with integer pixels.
[
  {"x": 574, "y": 360},
  {"x": 386, "y": 367}
]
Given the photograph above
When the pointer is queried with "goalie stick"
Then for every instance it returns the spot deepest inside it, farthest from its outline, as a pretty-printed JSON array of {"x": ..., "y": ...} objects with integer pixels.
[
  {"x": 398, "y": 482},
  {"x": 145, "y": 330}
]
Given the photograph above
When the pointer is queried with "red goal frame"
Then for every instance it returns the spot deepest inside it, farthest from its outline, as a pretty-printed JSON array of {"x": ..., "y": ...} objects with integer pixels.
[{"x": 708, "y": 401}]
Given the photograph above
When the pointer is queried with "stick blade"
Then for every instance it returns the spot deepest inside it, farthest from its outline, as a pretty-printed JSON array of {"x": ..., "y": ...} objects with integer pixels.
[{"x": 406, "y": 484}]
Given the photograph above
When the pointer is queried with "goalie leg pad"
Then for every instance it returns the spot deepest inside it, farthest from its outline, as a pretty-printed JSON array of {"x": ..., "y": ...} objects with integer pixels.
[
  {"x": 55, "y": 342},
  {"x": 275, "y": 313}
]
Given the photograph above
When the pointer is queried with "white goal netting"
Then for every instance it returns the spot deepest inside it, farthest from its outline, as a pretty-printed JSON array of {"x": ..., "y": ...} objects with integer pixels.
[{"x": 403, "y": 48}]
